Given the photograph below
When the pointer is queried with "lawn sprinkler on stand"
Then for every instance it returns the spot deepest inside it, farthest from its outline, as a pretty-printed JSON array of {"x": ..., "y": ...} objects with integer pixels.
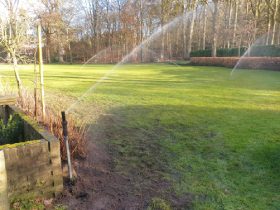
[{"x": 65, "y": 134}]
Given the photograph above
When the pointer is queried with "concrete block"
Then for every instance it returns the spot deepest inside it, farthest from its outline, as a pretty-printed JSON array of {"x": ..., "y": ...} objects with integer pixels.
[
  {"x": 28, "y": 150},
  {"x": 13, "y": 153},
  {"x": 58, "y": 182},
  {"x": 54, "y": 146},
  {"x": 56, "y": 171},
  {"x": 36, "y": 150},
  {"x": 50, "y": 138},
  {"x": 54, "y": 154},
  {"x": 4, "y": 201},
  {"x": 38, "y": 164},
  {"x": 20, "y": 151},
  {"x": 56, "y": 160},
  {"x": 6, "y": 152},
  {"x": 50, "y": 167},
  {"x": 44, "y": 147}
]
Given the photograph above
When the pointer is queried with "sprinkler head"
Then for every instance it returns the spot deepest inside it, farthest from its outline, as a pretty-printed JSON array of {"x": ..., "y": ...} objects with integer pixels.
[
  {"x": 63, "y": 116},
  {"x": 64, "y": 124}
]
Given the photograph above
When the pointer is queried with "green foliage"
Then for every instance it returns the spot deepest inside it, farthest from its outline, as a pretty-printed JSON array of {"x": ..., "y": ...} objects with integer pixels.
[
  {"x": 256, "y": 51},
  {"x": 201, "y": 53},
  {"x": 3, "y": 53},
  {"x": 36, "y": 203},
  {"x": 230, "y": 52},
  {"x": 265, "y": 51},
  {"x": 12, "y": 133},
  {"x": 159, "y": 204},
  {"x": 54, "y": 59}
]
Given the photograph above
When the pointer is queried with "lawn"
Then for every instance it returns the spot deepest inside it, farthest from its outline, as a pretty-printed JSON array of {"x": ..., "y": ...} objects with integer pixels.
[{"x": 214, "y": 137}]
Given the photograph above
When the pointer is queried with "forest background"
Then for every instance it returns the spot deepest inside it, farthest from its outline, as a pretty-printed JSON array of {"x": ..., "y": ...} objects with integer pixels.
[{"x": 74, "y": 31}]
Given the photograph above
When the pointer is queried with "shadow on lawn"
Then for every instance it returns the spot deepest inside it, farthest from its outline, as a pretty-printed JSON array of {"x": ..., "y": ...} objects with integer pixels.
[{"x": 186, "y": 144}]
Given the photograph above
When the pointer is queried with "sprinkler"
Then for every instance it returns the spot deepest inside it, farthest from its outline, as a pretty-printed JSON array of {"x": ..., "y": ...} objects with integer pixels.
[{"x": 65, "y": 134}]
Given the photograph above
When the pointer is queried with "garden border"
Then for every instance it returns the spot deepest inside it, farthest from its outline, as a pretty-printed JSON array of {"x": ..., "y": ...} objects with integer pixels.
[{"x": 32, "y": 169}]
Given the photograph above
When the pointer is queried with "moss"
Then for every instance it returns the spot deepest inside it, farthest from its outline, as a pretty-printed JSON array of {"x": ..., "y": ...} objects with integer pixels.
[
  {"x": 30, "y": 121},
  {"x": 18, "y": 144},
  {"x": 158, "y": 204}
]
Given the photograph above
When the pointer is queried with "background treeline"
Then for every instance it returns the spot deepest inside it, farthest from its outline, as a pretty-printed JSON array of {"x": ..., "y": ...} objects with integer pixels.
[{"x": 78, "y": 30}]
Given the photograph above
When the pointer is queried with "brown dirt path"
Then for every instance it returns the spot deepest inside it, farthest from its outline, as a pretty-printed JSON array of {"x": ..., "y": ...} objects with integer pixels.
[{"x": 99, "y": 186}]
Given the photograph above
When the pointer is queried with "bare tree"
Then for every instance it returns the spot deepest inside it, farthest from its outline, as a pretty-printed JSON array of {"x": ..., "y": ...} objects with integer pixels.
[
  {"x": 192, "y": 4},
  {"x": 14, "y": 29}
]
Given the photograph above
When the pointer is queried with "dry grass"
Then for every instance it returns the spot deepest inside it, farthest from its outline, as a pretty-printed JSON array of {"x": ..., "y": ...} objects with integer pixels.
[{"x": 77, "y": 131}]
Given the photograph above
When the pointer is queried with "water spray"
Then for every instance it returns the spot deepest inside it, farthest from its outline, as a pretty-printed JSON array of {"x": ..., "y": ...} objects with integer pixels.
[{"x": 65, "y": 134}]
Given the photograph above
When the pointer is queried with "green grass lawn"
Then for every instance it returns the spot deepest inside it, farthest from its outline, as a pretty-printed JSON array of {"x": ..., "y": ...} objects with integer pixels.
[{"x": 212, "y": 136}]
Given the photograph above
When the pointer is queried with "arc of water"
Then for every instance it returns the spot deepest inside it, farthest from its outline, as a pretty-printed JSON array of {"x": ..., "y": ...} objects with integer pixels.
[
  {"x": 163, "y": 57},
  {"x": 157, "y": 33},
  {"x": 93, "y": 57},
  {"x": 104, "y": 77},
  {"x": 258, "y": 41}
]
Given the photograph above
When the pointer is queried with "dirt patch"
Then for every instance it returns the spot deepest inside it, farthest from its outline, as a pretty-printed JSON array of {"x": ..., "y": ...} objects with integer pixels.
[{"x": 98, "y": 185}]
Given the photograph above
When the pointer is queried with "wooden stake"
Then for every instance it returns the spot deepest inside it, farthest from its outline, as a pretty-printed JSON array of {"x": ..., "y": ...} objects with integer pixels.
[
  {"x": 35, "y": 86},
  {"x": 41, "y": 73}
]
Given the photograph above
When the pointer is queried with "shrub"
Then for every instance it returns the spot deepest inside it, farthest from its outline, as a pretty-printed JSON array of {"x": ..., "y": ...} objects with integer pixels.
[
  {"x": 265, "y": 51},
  {"x": 13, "y": 132},
  {"x": 201, "y": 53},
  {"x": 77, "y": 131},
  {"x": 230, "y": 52},
  {"x": 263, "y": 63},
  {"x": 256, "y": 51}
]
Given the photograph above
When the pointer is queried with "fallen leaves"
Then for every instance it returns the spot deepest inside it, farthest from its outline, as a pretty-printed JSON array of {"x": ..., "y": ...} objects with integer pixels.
[
  {"x": 48, "y": 202},
  {"x": 36, "y": 204}
]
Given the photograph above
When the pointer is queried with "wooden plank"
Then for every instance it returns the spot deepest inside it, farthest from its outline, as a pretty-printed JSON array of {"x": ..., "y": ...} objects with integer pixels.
[{"x": 8, "y": 100}]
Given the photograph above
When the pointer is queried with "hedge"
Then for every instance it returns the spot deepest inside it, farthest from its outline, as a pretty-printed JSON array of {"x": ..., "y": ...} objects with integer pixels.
[
  {"x": 226, "y": 52},
  {"x": 265, "y": 51},
  {"x": 262, "y": 63},
  {"x": 230, "y": 52},
  {"x": 201, "y": 53},
  {"x": 256, "y": 51}
]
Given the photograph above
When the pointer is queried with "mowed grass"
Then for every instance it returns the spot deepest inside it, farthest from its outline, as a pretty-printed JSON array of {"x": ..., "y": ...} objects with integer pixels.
[{"x": 215, "y": 138}]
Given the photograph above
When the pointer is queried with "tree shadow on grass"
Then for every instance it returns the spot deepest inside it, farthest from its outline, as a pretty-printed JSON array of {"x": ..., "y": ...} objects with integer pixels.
[{"x": 195, "y": 149}]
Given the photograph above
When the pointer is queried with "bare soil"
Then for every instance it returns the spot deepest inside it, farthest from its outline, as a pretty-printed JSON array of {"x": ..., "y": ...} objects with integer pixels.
[{"x": 99, "y": 185}]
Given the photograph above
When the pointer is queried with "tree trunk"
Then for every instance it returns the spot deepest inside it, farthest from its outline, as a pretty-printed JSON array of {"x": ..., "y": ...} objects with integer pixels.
[
  {"x": 70, "y": 53},
  {"x": 204, "y": 28},
  {"x": 229, "y": 19},
  {"x": 255, "y": 7},
  {"x": 235, "y": 23},
  {"x": 275, "y": 10},
  {"x": 278, "y": 34},
  {"x": 9, "y": 58},
  {"x": 268, "y": 27},
  {"x": 198, "y": 29},
  {"x": 95, "y": 28},
  {"x": 188, "y": 56},
  {"x": 60, "y": 53},
  {"x": 48, "y": 56},
  {"x": 162, "y": 41},
  {"x": 170, "y": 47},
  {"x": 9, "y": 54},
  {"x": 17, "y": 75},
  {"x": 177, "y": 42},
  {"x": 184, "y": 39},
  {"x": 247, "y": 10},
  {"x": 141, "y": 28},
  {"x": 215, "y": 34}
]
